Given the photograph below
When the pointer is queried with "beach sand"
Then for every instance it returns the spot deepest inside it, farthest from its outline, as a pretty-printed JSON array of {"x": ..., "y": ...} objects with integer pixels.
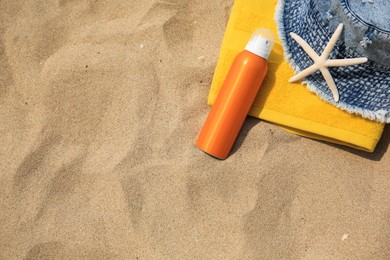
[{"x": 100, "y": 105}]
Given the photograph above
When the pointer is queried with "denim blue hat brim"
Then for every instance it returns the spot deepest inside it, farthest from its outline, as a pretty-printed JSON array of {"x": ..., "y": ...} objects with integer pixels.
[{"x": 364, "y": 89}]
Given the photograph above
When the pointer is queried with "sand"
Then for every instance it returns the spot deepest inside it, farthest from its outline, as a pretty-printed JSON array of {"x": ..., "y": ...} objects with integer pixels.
[{"x": 100, "y": 106}]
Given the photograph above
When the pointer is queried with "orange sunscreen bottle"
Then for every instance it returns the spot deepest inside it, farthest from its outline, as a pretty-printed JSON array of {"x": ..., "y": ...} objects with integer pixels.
[{"x": 236, "y": 96}]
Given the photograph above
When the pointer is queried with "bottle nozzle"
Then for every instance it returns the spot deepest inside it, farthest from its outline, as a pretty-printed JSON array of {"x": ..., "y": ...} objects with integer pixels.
[{"x": 261, "y": 43}]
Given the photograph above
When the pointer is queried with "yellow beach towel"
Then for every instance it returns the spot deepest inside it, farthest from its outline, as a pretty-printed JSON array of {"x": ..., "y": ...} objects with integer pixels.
[{"x": 288, "y": 105}]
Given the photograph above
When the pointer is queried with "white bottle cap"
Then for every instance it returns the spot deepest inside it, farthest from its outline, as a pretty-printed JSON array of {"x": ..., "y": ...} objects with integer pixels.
[{"x": 261, "y": 43}]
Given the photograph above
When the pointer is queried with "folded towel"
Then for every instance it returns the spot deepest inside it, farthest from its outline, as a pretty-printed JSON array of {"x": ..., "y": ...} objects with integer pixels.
[{"x": 288, "y": 105}]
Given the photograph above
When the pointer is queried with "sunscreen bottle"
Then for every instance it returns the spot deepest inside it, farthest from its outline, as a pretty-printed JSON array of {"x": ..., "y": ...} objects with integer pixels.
[{"x": 236, "y": 96}]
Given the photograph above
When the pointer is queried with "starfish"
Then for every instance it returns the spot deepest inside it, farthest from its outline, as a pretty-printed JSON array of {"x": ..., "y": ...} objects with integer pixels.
[{"x": 322, "y": 62}]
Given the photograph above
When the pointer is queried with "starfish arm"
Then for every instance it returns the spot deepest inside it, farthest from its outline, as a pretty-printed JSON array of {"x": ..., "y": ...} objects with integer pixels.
[
  {"x": 332, "y": 42},
  {"x": 332, "y": 85},
  {"x": 345, "y": 62},
  {"x": 305, "y": 46},
  {"x": 304, "y": 73}
]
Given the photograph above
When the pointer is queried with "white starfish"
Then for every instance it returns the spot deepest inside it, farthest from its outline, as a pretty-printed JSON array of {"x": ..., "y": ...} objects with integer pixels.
[{"x": 322, "y": 62}]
